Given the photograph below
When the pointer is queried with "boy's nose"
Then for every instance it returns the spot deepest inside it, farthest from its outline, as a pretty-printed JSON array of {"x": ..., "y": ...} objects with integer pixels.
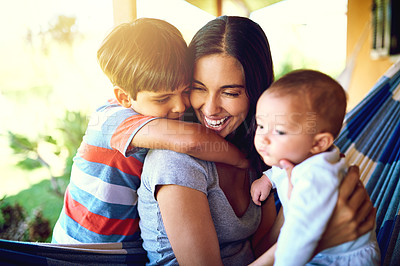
[{"x": 180, "y": 105}]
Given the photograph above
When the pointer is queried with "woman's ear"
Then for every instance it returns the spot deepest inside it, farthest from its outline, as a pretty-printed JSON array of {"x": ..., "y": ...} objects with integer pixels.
[
  {"x": 322, "y": 142},
  {"x": 122, "y": 97}
]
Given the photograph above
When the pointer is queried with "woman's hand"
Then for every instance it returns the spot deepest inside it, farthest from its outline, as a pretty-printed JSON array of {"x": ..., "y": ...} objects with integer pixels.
[{"x": 354, "y": 214}]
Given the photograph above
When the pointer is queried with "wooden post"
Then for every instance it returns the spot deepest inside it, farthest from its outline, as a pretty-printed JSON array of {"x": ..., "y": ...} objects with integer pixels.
[
  {"x": 124, "y": 11},
  {"x": 219, "y": 7}
]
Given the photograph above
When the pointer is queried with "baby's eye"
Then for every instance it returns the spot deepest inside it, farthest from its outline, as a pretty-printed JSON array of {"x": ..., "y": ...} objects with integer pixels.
[
  {"x": 260, "y": 126},
  {"x": 280, "y": 132}
]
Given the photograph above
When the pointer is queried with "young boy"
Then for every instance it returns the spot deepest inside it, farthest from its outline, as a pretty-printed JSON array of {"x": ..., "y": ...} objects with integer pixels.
[
  {"x": 146, "y": 63},
  {"x": 298, "y": 118}
]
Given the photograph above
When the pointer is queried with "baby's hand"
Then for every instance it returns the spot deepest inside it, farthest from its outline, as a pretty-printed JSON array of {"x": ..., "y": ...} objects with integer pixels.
[{"x": 260, "y": 190}]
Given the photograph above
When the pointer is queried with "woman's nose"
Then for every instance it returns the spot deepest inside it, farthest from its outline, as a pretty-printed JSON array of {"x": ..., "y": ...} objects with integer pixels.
[{"x": 211, "y": 106}]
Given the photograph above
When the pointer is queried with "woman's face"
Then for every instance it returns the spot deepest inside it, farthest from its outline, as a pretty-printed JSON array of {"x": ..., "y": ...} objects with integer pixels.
[{"x": 219, "y": 95}]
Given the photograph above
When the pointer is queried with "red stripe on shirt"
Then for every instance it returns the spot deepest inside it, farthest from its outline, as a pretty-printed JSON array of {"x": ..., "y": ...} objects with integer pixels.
[
  {"x": 113, "y": 101},
  {"x": 124, "y": 131},
  {"x": 98, "y": 223},
  {"x": 129, "y": 165}
]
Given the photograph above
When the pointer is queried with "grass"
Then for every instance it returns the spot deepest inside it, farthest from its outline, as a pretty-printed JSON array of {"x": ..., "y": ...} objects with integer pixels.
[{"x": 41, "y": 197}]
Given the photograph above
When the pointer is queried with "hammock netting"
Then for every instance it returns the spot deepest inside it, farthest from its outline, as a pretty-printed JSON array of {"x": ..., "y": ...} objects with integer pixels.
[{"x": 370, "y": 138}]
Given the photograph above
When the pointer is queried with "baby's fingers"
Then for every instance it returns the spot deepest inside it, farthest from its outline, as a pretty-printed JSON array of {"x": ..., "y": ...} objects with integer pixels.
[
  {"x": 256, "y": 196},
  {"x": 263, "y": 196}
]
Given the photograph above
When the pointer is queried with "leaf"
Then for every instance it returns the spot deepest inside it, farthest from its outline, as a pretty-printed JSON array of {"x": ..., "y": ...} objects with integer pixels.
[
  {"x": 29, "y": 164},
  {"x": 50, "y": 139},
  {"x": 21, "y": 144}
]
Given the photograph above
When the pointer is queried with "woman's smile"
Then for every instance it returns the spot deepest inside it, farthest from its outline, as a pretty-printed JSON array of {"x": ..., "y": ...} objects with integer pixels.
[{"x": 216, "y": 124}]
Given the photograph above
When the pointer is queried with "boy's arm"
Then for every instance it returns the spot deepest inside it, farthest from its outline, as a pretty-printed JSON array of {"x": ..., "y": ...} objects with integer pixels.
[{"x": 190, "y": 138}]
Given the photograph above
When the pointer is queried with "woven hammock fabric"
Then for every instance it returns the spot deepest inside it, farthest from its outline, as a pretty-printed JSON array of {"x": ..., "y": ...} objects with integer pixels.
[{"x": 370, "y": 138}]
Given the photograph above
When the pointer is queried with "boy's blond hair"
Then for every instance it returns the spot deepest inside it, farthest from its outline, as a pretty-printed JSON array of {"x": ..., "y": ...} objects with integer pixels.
[
  {"x": 145, "y": 55},
  {"x": 320, "y": 94}
]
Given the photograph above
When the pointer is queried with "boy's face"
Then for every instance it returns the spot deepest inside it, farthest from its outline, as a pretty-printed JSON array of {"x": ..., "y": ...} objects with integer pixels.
[
  {"x": 285, "y": 129},
  {"x": 167, "y": 104}
]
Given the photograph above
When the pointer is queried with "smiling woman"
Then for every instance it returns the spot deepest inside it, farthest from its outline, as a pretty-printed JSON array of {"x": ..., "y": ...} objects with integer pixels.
[{"x": 216, "y": 102}]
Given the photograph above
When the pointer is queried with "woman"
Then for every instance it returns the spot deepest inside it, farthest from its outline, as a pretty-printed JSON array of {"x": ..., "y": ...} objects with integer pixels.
[{"x": 199, "y": 212}]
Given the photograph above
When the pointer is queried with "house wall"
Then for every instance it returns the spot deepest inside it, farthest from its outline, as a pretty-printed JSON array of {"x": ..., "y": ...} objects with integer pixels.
[{"x": 359, "y": 42}]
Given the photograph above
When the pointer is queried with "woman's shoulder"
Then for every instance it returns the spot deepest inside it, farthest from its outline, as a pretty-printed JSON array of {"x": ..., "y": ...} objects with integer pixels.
[
  {"x": 168, "y": 159},
  {"x": 162, "y": 167}
]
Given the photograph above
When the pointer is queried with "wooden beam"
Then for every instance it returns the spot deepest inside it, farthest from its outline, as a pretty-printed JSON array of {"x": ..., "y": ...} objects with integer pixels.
[
  {"x": 219, "y": 7},
  {"x": 124, "y": 11}
]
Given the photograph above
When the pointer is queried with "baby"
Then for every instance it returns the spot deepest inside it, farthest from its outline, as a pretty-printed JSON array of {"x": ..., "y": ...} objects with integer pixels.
[{"x": 298, "y": 119}]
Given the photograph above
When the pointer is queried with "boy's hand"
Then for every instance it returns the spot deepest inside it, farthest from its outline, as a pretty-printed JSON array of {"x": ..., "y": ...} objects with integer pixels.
[{"x": 260, "y": 190}]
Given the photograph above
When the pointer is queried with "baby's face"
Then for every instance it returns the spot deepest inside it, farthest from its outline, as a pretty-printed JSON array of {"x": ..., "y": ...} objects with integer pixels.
[{"x": 285, "y": 129}]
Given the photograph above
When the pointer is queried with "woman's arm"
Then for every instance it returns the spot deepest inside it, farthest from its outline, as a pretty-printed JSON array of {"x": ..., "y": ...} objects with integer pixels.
[
  {"x": 189, "y": 226},
  {"x": 190, "y": 138},
  {"x": 269, "y": 228}
]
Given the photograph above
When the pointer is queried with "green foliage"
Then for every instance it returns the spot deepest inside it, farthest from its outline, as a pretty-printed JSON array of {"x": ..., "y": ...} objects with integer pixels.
[
  {"x": 71, "y": 128},
  {"x": 18, "y": 224},
  {"x": 285, "y": 68},
  {"x": 21, "y": 144},
  {"x": 28, "y": 164},
  {"x": 31, "y": 214},
  {"x": 63, "y": 30}
]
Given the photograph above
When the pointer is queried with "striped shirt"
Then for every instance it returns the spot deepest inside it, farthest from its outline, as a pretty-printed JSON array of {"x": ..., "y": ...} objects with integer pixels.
[{"x": 100, "y": 203}]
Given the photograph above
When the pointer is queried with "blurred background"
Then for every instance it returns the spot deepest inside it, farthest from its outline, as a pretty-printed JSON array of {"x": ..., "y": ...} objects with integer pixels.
[{"x": 50, "y": 83}]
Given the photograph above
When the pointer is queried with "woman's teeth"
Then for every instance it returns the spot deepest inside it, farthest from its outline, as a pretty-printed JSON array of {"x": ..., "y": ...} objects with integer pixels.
[{"x": 215, "y": 123}]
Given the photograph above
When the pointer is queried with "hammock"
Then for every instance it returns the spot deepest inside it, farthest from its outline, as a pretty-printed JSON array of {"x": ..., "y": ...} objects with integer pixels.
[{"x": 369, "y": 138}]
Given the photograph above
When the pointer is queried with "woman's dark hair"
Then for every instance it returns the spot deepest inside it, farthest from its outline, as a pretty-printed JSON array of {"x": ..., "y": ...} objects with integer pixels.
[{"x": 244, "y": 40}]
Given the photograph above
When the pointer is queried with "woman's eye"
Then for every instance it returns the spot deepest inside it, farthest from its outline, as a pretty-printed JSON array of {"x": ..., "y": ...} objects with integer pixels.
[
  {"x": 231, "y": 94},
  {"x": 260, "y": 126},
  {"x": 197, "y": 89}
]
